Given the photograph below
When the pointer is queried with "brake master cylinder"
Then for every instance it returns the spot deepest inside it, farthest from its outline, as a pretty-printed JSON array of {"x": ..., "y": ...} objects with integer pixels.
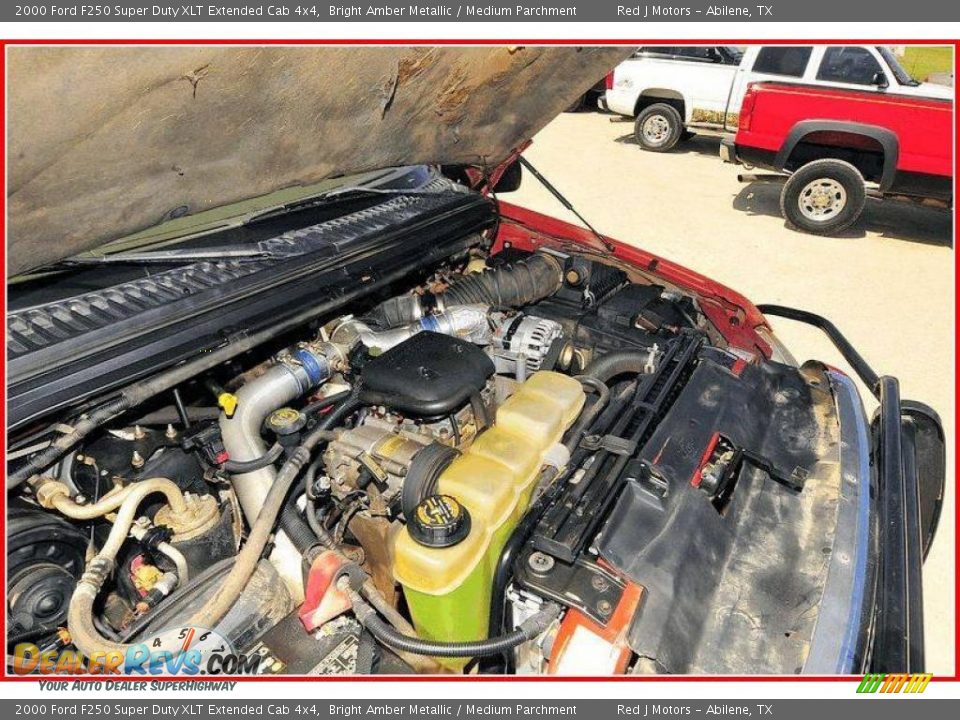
[{"x": 446, "y": 556}]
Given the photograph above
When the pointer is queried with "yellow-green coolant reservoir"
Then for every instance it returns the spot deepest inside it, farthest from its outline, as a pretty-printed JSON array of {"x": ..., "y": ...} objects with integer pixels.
[{"x": 446, "y": 556}]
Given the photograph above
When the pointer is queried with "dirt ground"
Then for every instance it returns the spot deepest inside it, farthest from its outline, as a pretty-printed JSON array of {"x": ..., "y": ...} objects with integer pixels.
[{"x": 888, "y": 283}]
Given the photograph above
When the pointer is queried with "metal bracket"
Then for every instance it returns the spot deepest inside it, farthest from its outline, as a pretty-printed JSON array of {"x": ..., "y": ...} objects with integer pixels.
[{"x": 610, "y": 443}]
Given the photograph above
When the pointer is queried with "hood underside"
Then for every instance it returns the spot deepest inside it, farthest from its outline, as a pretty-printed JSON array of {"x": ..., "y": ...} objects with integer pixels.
[{"x": 105, "y": 141}]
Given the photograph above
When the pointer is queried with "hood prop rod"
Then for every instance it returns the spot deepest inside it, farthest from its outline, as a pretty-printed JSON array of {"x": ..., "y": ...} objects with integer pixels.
[{"x": 563, "y": 201}]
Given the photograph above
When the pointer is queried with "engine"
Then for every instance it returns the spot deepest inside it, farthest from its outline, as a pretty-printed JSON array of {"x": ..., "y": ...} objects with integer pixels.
[{"x": 382, "y": 472}]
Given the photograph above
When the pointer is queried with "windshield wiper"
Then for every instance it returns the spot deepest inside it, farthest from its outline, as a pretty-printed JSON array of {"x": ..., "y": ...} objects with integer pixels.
[{"x": 169, "y": 256}]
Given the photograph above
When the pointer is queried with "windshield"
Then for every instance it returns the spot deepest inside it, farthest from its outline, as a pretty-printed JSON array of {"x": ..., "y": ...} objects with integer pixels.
[
  {"x": 732, "y": 53},
  {"x": 901, "y": 75}
]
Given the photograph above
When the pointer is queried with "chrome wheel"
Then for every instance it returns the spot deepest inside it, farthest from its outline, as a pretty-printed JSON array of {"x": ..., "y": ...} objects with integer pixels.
[
  {"x": 656, "y": 129},
  {"x": 822, "y": 200}
]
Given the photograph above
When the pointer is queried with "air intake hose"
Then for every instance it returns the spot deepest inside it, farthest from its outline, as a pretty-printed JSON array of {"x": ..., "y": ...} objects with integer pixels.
[
  {"x": 508, "y": 286},
  {"x": 520, "y": 283}
]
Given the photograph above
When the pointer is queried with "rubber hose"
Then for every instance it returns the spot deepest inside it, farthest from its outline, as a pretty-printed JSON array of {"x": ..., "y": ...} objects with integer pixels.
[
  {"x": 588, "y": 416},
  {"x": 396, "y": 311},
  {"x": 292, "y": 523},
  {"x": 520, "y": 283},
  {"x": 326, "y": 402},
  {"x": 612, "y": 364},
  {"x": 385, "y": 633},
  {"x": 348, "y": 404},
  {"x": 239, "y": 467},
  {"x": 297, "y": 529},
  {"x": 421, "y": 479}
]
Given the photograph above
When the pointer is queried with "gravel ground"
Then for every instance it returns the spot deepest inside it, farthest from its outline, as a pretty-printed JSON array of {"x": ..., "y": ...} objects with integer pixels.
[{"x": 888, "y": 283}]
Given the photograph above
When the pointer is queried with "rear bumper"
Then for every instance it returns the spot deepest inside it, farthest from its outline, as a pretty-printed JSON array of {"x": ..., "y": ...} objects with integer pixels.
[
  {"x": 872, "y": 612},
  {"x": 728, "y": 151}
]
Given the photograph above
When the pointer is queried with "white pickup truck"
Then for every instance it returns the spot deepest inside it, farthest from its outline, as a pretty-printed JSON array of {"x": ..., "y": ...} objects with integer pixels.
[{"x": 672, "y": 91}]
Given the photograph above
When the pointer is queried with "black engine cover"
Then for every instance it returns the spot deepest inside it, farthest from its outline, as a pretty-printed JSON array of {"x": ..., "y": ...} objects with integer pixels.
[{"x": 428, "y": 375}]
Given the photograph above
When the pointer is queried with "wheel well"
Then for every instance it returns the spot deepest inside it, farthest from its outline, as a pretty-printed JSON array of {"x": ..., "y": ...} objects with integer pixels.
[
  {"x": 862, "y": 151},
  {"x": 652, "y": 96}
]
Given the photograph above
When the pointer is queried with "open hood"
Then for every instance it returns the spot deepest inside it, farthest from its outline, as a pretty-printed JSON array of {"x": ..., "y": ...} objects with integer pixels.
[{"x": 107, "y": 141}]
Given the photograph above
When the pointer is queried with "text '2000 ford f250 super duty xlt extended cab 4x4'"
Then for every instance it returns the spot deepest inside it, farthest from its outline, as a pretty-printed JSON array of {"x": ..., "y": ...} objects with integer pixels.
[
  {"x": 389, "y": 423},
  {"x": 835, "y": 146},
  {"x": 674, "y": 90}
]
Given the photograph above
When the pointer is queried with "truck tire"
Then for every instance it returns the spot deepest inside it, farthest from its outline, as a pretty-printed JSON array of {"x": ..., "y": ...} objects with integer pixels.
[
  {"x": 658, "y": 128},
  {"x": 824, "y": 197}
]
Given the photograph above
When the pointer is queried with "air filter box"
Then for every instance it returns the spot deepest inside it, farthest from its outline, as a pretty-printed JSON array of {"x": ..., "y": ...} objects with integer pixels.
[{"x": 428, "y": 375}]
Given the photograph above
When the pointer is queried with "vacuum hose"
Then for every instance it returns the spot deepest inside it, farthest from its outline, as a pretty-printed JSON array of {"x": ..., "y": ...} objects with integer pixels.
[{"x": 531, "y": 628}]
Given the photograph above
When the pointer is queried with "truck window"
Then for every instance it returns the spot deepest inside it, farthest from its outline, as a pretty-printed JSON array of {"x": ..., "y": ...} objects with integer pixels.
[
  {"x": 855, "y": 65},
  {"x": 788, "y": 61},
  {"x": 660, "y": 50}
]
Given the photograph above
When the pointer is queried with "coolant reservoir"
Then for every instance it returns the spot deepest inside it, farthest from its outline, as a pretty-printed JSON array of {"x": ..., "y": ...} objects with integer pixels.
[{"x": 447, "y": 584}]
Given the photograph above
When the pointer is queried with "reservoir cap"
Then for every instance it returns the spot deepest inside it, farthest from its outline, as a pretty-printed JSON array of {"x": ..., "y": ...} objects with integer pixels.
[
  {"x": 285, "y": 421},
  {"x": 439, "y": 521}
]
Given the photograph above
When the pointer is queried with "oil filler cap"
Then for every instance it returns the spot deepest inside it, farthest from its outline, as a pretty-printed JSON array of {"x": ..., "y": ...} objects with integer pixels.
[{"x": 439, "y": 521}]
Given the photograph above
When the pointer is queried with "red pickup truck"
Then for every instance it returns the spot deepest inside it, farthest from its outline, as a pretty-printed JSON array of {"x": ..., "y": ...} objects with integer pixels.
[{"x": 836, "y": 146}]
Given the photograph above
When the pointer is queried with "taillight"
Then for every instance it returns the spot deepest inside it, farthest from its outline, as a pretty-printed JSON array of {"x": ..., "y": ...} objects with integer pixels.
[
  {"x": 609, "y": 80},
  {"x": 746, "y": 109}
]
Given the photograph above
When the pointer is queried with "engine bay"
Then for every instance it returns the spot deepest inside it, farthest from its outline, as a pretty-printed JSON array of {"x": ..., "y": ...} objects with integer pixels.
[{"x": 471, "y": 473}]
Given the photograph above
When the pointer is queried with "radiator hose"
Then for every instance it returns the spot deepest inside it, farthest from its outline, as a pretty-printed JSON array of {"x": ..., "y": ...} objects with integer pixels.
[
  {"x": 634, "y": 362},
  {"x": 531, "y": 628}
]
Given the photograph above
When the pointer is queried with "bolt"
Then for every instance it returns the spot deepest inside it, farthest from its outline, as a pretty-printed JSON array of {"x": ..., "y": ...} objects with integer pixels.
[
  {"x": 540, "y": 563},
  {"x": 138, "y": 432},
  {"x": 171, "y": 432},
  {"x": 137, "y": 460},
  {"x": 599, "y": 583},
  {"x": 604, "y": 607}
]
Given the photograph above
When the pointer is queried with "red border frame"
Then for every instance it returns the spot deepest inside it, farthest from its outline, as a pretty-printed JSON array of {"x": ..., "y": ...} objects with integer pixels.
[{"x": 459, "y": 42}]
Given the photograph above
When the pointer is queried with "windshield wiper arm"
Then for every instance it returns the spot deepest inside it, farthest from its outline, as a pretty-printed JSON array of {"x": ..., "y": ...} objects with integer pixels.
[{"x": 171, "y": 256}]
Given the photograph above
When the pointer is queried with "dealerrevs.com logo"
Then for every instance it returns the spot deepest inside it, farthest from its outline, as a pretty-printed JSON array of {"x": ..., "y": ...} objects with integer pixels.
[
  {"x": 894, "y": 683},
  {"x": 185, "y": 651}
]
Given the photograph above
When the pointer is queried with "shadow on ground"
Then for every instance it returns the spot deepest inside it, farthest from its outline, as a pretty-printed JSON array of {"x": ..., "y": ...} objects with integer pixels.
[
  {"x": 706, "y": 145},
  {"x": 892, "y": 219}
]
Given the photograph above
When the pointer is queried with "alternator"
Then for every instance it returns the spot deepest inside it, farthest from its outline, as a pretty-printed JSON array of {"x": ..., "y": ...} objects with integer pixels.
[{"x": 521, "y": 343}]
